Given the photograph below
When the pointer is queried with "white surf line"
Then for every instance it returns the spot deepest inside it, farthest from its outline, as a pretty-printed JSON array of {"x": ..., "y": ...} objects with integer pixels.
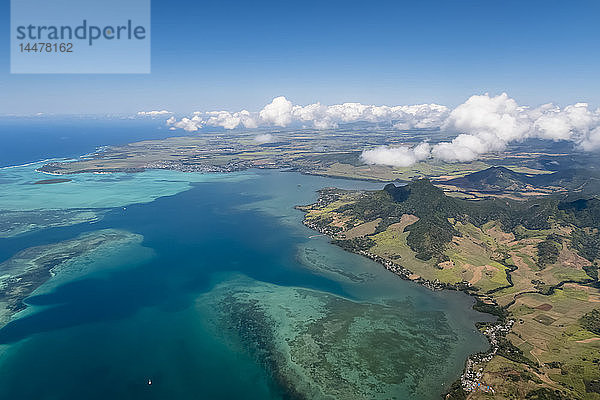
[
  {"x": 30, "y": 163},
  {"x": 47, "y": 160}
]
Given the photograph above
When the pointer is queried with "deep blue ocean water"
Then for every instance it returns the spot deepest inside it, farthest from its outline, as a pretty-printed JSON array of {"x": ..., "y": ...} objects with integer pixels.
[{"x": 28, "y": 139}]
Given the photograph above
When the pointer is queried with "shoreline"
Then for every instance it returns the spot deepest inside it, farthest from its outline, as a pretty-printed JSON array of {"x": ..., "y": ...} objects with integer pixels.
[
  {"x": 491, "y": 333},
  {"x": 494, "y": 330},
  {"x": 208, "y": 169},
  {"x": 27, "y": 164},
  {"x": 49, "y": 165}
]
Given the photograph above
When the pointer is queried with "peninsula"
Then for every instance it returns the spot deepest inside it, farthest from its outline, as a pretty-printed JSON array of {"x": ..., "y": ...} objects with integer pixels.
[{"x": 533, "y": 264}]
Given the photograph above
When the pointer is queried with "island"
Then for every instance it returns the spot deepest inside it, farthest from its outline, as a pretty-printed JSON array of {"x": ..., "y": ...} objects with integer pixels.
[{"x": 336, "y": 153}]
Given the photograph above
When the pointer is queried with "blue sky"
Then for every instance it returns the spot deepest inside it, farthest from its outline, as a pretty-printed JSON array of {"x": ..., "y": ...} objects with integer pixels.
[{"x": 232, "y": 55}]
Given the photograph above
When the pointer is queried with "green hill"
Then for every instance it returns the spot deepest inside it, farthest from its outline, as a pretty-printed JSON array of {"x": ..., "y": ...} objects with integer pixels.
[
  {"x": 429, "y": 236},
  {"x": 501, "y": 179},
  {"x": 494, "y": 179}
]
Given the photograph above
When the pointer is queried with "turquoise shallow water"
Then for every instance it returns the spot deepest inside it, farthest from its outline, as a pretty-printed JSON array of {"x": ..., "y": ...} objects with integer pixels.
[{"x": 104, "y": 334}]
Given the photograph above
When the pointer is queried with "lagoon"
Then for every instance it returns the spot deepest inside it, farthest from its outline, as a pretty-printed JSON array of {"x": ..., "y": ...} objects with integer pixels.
[{"x": 220, "y": 298}]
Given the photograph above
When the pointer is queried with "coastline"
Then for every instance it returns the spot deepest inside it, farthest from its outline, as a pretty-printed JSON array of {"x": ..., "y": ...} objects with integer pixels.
[
  {"x": 493, "y": 331},
  {"x": 47, "y": 160},
  {"x": 52, "y": 166},
  {"x": 205, "y": 169},
  {"x": 499, "y": 333},
  {"x": 452, "y": 367}
]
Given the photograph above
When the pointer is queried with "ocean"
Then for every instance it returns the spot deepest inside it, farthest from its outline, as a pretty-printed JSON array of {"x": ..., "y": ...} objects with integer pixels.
[{"x": 28, "y": 139}]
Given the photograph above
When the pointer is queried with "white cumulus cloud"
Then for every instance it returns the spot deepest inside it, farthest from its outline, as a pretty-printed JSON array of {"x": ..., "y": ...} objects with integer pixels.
[
  {"x": 278, "y": 112},
  {"x": 264, "y": 138},
  {"x": 399, "y": 156},
  {"x": 228, "y": 120},
  {"x": 156, "y": 113},
  {"x": 187, "y": 124},
  {"x": 591, "y": 141},
  {"x": 486, "y": 124}
]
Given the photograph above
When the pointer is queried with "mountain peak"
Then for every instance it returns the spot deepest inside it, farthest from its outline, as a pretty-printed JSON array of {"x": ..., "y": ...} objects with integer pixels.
[{"x": 495, "y": 178}]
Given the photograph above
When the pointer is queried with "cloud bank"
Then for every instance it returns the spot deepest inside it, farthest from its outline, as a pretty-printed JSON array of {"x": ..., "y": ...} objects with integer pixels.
[
  {"x": 154, "y": 113},
  {"x": 483, "y": 124},
  {"x": 487, "y": 124},
  {"x": 282, "y": 113}
]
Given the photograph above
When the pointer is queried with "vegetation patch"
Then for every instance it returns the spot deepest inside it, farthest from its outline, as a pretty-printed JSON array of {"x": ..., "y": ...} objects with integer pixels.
[
  {"x": 591, "y": 321},
  {"x": 548, "y": 251},
  {"x": 546, "y": 394}
]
